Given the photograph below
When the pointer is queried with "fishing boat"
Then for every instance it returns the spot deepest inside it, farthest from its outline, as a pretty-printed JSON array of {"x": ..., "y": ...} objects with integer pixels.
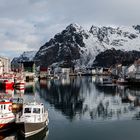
[
  {"x": 6, "y": 83},
  {"x": 19, "y": 83},
  {"x": 42, "y": 135},
  {"x": 34, "y": 119},
  {"x": 7, "y": 118}
]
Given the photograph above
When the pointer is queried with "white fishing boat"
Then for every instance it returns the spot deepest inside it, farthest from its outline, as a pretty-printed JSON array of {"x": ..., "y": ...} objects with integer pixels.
[
  {"x": 34, "y": 119},
  {"x": 7, "y": 118}
]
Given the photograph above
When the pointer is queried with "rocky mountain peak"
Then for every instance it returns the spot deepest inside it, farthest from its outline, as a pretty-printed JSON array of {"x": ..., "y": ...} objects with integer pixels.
[
  {"x": 137, "y": 27},
  {"x": 79, "y": 46},
  {"x": 25, "y": 56},
  {"x": 63, "y": 45},
  {"x": 94, "y": 30},
  {"x": 74, "y": 27}
]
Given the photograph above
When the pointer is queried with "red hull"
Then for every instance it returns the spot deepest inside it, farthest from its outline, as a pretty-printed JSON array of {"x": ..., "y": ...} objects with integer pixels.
[{"x": 8, "y": 85}]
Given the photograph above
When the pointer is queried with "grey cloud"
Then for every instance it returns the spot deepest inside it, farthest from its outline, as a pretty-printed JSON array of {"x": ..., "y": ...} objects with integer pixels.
[{"x": 39, "y": 20}]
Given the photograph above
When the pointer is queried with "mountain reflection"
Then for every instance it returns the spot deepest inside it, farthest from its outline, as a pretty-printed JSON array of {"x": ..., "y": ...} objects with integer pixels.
[
  {"x": 64, "y": 97},
  {"x": 81, "y": 98}
]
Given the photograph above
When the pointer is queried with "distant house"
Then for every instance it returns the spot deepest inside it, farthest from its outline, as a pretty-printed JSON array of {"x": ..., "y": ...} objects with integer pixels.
[
  {"x": 4, "y": 65},
  {"x": 1, "y": 67},
  {"x": 16, "y": 66},
  {"x": 44, "y": 71},
  {"x": 65, "y": 71},
  {"x": 100, "y": 71},
  {"x": 93, "y": 71},
  {"x": 134, "y": 70}
]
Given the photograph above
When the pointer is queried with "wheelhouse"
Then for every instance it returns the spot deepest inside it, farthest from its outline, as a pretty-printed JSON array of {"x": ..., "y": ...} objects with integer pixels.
[
  {"x": 33, "y": 109},
  {"x": 5, "y": 106}
]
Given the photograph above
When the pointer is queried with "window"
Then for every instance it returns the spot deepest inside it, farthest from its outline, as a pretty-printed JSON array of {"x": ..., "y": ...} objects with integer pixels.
[
  {"x": 36, "y": 110},
  {"x": 27, "y": 110}
]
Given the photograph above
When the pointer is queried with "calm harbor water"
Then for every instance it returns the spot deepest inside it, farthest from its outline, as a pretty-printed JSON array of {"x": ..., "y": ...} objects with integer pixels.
[{"x": 81, "y": 109}]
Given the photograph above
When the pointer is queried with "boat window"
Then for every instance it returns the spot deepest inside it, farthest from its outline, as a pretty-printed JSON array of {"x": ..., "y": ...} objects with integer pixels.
[
  {"x": 36, "y": 110},
  {"x": 4, "y": 106},
  {"x": 27, "y": 110}
]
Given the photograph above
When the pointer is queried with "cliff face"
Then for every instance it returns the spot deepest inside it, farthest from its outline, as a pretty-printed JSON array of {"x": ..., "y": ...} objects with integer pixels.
[
  {"x": 82, "y": 46},
  {"x": 111, "y": 57},
  {"x": 74, "y": 43}
]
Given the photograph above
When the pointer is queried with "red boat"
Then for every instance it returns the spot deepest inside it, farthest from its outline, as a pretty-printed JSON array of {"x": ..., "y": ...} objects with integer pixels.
[
  {"x": 7, "y": 81},
  {"x": 8, "y": 84}
]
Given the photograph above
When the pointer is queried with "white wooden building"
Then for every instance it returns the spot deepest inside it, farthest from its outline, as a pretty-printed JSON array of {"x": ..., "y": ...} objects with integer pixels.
[{"x": 4, "y": 65}]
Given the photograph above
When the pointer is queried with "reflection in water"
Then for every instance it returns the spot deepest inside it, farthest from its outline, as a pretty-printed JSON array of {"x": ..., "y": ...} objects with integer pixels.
[
  {"x": 81, "y": 98},
  {"x": 29, "y": 88},
  {"x": 64, "y": 97},
  {"x": 11, "y": 135},
  {"x": 19, "y": 92},
  {"x": 7, "y": 135},
  {"x": 6, "y": 93},
  {"x": 43, "y": 135}
]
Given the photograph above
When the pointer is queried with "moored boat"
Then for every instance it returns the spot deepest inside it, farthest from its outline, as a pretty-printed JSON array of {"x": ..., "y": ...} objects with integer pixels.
[
  {"x": 19, "y": 84},
  {"x": 34, "y": 119},
  {"x": 7, "y": 83},
  {"x": 7, "y": 118}
]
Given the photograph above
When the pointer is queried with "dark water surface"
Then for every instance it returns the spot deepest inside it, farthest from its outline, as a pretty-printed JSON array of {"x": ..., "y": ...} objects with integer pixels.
[{"x": 80, "y": 109}]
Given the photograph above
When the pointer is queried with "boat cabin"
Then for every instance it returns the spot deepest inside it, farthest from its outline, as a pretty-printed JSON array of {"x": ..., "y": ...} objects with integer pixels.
[
  {"x": 5, "y": 106},
  {"x": 33, "y": 112},
  {"x": 33, "y": 109}
]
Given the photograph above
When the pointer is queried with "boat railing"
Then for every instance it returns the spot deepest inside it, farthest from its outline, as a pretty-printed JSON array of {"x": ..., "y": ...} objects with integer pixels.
[
  {"x": 5, "y": 114},
  {"x": 32, "y": 118}
]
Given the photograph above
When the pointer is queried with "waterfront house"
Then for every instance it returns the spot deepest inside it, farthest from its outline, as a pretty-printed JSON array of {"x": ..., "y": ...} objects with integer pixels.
[
  {"x": 43, "y": 72},
  {"x": 100, "y": 71},
  {"x": 65, "y": 71},
  {"x": 134, "y": 70},
  {"x": 4, "y": 65}
]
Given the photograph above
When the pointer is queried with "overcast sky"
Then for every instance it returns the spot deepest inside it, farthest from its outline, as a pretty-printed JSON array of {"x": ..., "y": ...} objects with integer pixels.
[{"x": 27, "y": 24}]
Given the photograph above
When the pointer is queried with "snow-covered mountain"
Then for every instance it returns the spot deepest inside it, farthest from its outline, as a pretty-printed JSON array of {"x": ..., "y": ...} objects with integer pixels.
[
  {"x": 26, "y": 56},
  {"x": 82, "y": 46}
]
